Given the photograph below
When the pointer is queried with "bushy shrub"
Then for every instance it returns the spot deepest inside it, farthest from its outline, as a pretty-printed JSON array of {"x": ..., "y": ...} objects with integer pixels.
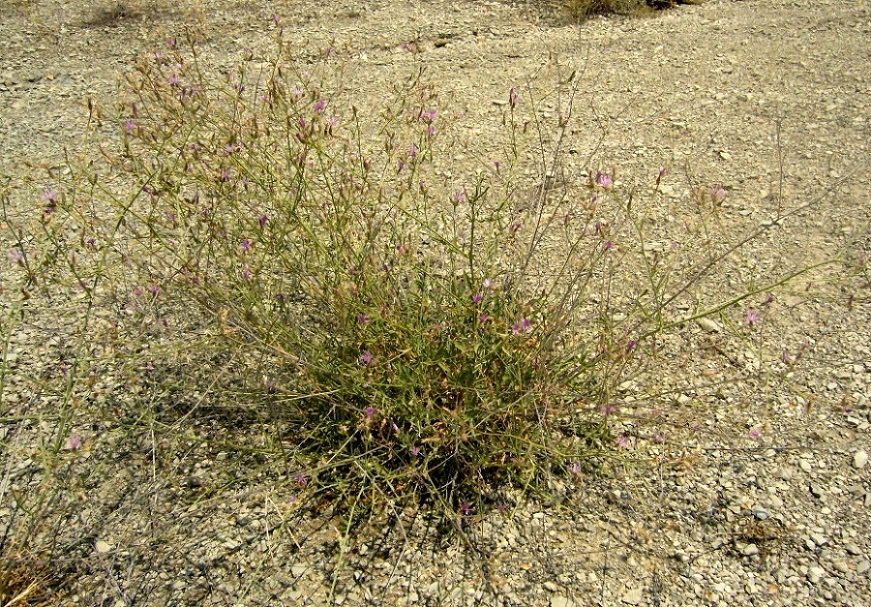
[{"x": 416, "y": 332}]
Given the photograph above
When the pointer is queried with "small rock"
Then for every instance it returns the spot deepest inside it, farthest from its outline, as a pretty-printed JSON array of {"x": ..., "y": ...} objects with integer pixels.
[
  {"x": 633, "y": 597},
  {"x": 805, "y": 465},
  {"x": 102, "y": 547},
  {"x": 550, "y": 586},
  {"x": 860, "y": 458},
  {"x": 562, "y": 601},
  {"x": 709, "y": 325},
  {"x": 853, "y": 549},
  {"x": 816, "y": 490},
  {"x": 863, "y": 567},
  {"x": 815, "y": 574},
  {"x": 760, "y": 513},
  {"x": 750, "y": 550},
  {"x": 298, "y": 569}
]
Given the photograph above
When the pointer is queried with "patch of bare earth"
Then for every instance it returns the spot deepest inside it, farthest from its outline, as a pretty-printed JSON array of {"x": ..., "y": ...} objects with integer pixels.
[{"x": 746, "y": 482}]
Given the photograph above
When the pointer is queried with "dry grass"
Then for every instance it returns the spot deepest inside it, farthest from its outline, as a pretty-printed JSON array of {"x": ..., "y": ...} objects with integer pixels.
[{"x": 582, "y": 9}]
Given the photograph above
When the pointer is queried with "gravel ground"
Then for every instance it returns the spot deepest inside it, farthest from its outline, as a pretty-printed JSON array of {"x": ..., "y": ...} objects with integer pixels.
[{"x": 746, "y": 480}]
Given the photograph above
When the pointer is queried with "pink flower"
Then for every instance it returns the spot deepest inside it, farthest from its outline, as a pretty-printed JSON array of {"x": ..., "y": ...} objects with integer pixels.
[
  {"x": 74, "y": 443},
  {"x": 521, "y": 325},
  {"x": 477, "y": 298},
  {"x": 622, "y": 441},
  {"x": 366, "y": 357},
  {"x": 370, "y": 412},
  {"x": 603, "y": 180},
  {"x": 245, "y": 245},
  {"x": 465, "y": 508},
  {"x": 752, "y": 317},
  {"x": 717, "y": 193},
  {"x": 129, "y": 127}
]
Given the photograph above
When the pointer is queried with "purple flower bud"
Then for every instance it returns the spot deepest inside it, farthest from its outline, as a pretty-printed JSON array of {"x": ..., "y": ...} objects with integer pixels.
[{"x": 366, "y": 357}]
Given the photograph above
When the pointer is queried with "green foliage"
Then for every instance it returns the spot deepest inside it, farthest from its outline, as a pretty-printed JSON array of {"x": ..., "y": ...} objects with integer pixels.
[{"x": 414, "y": 330}]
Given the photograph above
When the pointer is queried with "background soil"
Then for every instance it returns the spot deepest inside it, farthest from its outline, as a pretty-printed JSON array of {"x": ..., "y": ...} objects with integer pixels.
[{"x": 747, "y": 483}]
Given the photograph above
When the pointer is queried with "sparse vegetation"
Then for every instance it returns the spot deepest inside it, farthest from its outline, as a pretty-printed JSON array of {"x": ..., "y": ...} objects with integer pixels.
[{"x": 429, "y": 340}]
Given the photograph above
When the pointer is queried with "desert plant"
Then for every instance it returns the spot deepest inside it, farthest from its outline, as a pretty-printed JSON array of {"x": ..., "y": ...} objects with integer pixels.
[{"x": 433, "y": 340}]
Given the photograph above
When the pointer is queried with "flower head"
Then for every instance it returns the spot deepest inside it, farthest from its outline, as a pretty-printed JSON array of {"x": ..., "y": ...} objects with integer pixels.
[
  {"x": 752, "y": 316},
  {"x": 129, "y": 127},
  {"x": 604, "y": 181},
  {"x": 74, "y": 443},
  {"x": 477, "y": 298},
  {"x": 717, "y": 193},
  {"x": 301, "y": 479},
  {"x": 370, "y": 412},
  {"x": 465, "y": 508},
  {"x": 520, "y": 326},
  {"x": 366, "y": 357},
  {"x": 622, "y": 441},
  {"x": 245, "y": 245}
]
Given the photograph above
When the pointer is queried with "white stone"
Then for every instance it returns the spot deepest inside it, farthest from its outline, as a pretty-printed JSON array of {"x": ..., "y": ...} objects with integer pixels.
[
  {"x": 102, "y": 547},
  {"x": 860, "y": 458}
]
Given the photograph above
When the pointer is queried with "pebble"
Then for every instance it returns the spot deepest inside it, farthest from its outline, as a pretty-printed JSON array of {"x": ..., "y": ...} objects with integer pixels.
[
  {"x": 816, "y": 490},
  {"x": 709, "y": 325},
  {"x": 860, "y": 458},
  {"x": 750, "y": 550},
  {"x": 815, "y": 574},
  {"x": 562, "y": 601},
  {"x": 102, "y": 547},
  {"x": 853, "y": 549},
  {"x": 633, "y": 597},
  {"x": 863, "y": 566}
]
